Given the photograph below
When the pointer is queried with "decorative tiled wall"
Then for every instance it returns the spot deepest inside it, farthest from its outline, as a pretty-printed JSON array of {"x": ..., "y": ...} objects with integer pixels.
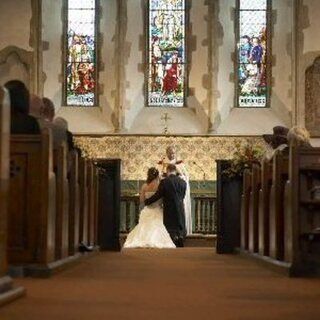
[
  {"x": 138, "y": 153},
  {"x": 313, "y": 99}
]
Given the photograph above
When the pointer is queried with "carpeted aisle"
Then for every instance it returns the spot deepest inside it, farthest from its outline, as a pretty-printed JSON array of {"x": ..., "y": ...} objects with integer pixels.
[{"x": 188, "y": 283}]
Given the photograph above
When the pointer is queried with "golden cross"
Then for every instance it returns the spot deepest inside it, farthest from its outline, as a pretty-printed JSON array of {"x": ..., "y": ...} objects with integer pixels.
[{"x": 166, "y": 119}]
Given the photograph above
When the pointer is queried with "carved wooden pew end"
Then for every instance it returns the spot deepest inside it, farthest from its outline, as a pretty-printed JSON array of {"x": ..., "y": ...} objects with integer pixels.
[
  {"x": 44, "y": 224},
  {"x": 8, "y": 292}
]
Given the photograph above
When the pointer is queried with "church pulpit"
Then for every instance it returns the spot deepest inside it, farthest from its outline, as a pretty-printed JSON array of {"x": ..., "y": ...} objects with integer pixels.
[
  {"x": 276, "y": 222},
  {"x": 62, "y": 203},
  {"x": 74, "y": 202},
  {"x": 245, "y": 209},
  {"x": 7, "y": 291},
  {"x": 264, "y": 206},
  {"x": 32, "y": 207},
  {"x": 254, "y": 208}
]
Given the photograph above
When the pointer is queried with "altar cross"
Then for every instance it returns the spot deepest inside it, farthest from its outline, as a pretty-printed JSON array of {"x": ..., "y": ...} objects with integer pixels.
[{"x": 166, "y": 119}]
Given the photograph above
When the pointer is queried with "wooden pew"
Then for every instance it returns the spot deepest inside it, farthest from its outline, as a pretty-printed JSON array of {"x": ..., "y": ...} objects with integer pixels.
[
  {"x": 7, "y": 292},
  {"x": 4, "y": 175},
  {"x": 96, "y": 203},
  {"x": 254, "y": 208},
  {"x": 32, "y": 207},
  {"x": 302, "y": 241},
  {"x": 264, "y": 206},
  {"x": 276, "y": 220},
  {"x": 83, "y": 221},
  {"x": 74, "y": 203},
  {"x": 62, "y": 203},
  {"x": 245, "y": 209},
  {"x": 91, "y": 202}
]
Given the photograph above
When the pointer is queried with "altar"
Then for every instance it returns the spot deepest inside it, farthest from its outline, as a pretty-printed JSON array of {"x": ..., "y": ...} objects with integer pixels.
[{"x": 140, "y": 152}]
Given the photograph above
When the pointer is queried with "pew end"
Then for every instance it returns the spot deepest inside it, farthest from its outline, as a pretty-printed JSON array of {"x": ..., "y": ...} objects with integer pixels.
[{"x": 8, "y": 292}]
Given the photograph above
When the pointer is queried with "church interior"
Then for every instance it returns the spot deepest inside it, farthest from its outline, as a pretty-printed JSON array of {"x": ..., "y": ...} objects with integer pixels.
[{"x": 105, "y": 101}]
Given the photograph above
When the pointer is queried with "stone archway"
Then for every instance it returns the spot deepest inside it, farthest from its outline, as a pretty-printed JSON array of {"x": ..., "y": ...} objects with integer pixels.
[{"x": 17, "y": 63}]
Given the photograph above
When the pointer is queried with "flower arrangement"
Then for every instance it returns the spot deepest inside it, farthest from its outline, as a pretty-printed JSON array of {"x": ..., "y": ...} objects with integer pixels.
[{"x": 243, "y": 157}]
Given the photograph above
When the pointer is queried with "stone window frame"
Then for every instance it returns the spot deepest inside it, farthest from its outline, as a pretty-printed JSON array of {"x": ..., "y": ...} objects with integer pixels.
[
  {"x": 268, "y": 56},
  {"x": 97, "y": 49},
  {"x": 187, "y": 64}
]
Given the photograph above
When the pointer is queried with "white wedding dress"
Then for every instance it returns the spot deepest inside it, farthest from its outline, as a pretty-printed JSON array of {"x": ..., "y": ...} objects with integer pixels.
[{"x": 150, "y": 232}]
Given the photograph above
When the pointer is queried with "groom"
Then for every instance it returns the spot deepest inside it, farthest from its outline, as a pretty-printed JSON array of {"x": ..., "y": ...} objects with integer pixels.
[{"x": 172, "y": 190}]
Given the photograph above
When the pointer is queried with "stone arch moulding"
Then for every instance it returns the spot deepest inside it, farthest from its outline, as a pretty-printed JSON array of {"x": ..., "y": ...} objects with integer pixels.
[
  {"x": 26, "y": 59},
  {"x": 312, "y": 98}
]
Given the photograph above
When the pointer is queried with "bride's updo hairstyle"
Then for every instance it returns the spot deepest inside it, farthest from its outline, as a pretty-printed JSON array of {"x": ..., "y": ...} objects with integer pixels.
[{"x": 153, "y": 173}]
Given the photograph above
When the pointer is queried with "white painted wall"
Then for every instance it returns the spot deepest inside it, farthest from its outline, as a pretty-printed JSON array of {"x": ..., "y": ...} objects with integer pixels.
[
  {"x": 256, "y": 121},
  {"x": 15, "y": 18},
  {"x": 81, "y": 120}
]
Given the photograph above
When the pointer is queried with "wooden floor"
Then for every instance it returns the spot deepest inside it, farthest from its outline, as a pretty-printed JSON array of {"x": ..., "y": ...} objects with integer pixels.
[{"x": 189, "y": 283}]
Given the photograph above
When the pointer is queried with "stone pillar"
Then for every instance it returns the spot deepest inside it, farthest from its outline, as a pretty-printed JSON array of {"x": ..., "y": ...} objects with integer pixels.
[
  {"x": 122, "y": 21},
  {"x": 213, "y": 45},
  {"x": 37, "y": 82}
]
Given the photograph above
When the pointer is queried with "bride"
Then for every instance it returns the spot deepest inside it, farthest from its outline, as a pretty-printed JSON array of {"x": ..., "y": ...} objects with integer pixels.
[{"x": 150, "y": 231}]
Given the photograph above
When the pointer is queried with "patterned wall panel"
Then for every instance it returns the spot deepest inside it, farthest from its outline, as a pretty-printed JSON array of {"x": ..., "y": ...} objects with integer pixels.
[
  {"x": 312, "y": 98},
  {"x": 138, "y": 153}
]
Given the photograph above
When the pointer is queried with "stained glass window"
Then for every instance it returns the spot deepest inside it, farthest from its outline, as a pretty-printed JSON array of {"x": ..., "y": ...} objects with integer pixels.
[
  {"x": 80, "y": 82},
  {"x": 166, "y": 54},
  {"x": 253, "y": 49}
]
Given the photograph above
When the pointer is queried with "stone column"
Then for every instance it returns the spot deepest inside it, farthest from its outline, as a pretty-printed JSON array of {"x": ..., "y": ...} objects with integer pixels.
[
  {"x": 122, "y": 22},
  {"x": 213, "y": 45},
  {"x": 36, "y": 84}
]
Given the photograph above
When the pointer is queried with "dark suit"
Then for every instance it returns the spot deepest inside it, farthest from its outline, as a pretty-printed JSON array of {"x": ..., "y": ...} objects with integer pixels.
[{"x": 172, "y": 190}]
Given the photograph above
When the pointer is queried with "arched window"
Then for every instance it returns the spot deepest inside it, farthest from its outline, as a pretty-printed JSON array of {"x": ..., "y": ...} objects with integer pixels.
[
  {"x": 166, "y": 54},
  {"x": 253, "y": 46},
  {"x": 80, "y": 84}
]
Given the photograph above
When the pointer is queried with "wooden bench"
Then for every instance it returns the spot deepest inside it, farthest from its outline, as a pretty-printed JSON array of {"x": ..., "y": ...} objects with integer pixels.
[
  {"x": 91, "y": 202},
  {"x": 253, "y": 222},
  {"x": 62, "y": 203},
  {"x": 32, "y": 208},
  {"x": 263, "y": 203},
  {"x": 302, "y": 212},
  {"x": 264, "y": 206},
  {"x": 245, "y": 198},
  {"x": 276, "y": 217},
  {"x": 4, "y": 175},
  {"x": 74, "y": 203},
  {"x": 7, "y": 291},
  {"x": 83, "y": 221},
  {"x": 289, "y": 212}
]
